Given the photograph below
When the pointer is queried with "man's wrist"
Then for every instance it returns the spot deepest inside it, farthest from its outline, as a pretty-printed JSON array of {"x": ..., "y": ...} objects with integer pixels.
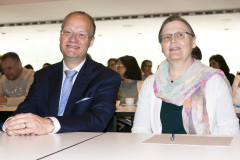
[{"x": 50, "y": 121}]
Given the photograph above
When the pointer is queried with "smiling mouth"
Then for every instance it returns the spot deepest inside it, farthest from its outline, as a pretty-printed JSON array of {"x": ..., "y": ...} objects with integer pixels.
[
  {"x": 175, "y": 48},
  {"x": 75, "y": 47}
]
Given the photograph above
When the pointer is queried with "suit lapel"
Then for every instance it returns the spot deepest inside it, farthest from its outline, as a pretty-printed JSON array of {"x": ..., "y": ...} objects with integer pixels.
[
  {"x": 55, "y": 85},
  {"x": 79, "y": 86}
]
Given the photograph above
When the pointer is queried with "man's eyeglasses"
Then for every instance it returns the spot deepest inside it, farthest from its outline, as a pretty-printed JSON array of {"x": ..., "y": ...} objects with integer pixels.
[
  {"x": 79, "y": 35},
  {"x": 177, "y": 36}
]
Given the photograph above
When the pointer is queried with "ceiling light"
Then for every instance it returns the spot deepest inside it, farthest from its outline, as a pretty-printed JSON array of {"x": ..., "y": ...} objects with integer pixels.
[
  {"x": 127, "y": 25},
  {"x": 41, "y": 30},
  {"x": 226, "y": 20}
]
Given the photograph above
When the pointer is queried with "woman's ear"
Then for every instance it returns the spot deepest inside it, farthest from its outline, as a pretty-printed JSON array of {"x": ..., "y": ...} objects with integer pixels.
[{"x": 194, "y": 42}]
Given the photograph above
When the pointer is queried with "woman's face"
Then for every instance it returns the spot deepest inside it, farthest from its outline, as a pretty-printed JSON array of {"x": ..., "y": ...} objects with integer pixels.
[
  {"x": 177, "y": 49},
  {"x": 214, "y": 64},
  {"x": 147, "y": 68},
  {"x": 120, "y": 69}
]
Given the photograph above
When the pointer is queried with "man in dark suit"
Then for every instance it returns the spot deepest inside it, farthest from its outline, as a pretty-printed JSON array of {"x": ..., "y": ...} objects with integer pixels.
[{"x": 91, "y": 103}]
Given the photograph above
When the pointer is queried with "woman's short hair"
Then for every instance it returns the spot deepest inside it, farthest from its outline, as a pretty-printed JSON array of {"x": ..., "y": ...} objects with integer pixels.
[
  {"x": 172, "y": 18},
  {"x": 144, "y": 63},
  {"x": 223, "y": 64},
  {"x": 132, "y": 69}
]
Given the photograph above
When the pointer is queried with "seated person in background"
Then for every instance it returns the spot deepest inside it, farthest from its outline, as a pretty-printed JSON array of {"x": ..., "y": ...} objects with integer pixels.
[
  {"x": 112, "y": 63},
  {"x": 218, "y": 62},
  {"x": 146, "y": 68},
  {"x": 236, "y": 90},
  {"x": 184, "y": 96},
  {"x": 46, "y": 65},
  {"x": 74, "y": 95},
  {"x": 196, "y": 53},
  {"x": 29, "y": 66},
  {"x": 1, "y": 72},
  {"x": 130, "y": 73},
  {"x": 16, "y": 81}
]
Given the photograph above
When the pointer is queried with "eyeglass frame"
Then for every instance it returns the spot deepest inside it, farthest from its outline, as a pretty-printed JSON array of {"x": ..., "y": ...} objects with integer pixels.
[
  {"x": 118, "y": 66},
  {"x": 78, "y": 35},
  {"x": 173, "y": 34}
]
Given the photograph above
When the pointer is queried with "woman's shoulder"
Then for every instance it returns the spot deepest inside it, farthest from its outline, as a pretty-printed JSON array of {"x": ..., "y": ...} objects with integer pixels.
[
  {"x": 217, "y": 81},
  {"x": 150, "y": 78}
]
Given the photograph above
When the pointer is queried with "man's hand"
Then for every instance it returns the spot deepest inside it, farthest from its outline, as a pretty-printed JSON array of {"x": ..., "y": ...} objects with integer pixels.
[
  {"x": 28, "y": 124},
  {"x": 3, "y": 101}
]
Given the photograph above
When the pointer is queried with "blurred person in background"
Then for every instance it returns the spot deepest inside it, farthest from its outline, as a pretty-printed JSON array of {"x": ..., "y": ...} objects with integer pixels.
[
  {"x": 196, "y": 53},
  {"x": 16, "y": 81},
  {"x": 131, "y": 75},
  {"x": 46, "y": 65},
  {"x": 218, "y": 62},
  {"x": 112, "y": 63},
  {"x": 29, "y": 66},
  {"x": 146, "y": 68},
  {"x": 236, "y": 90}
]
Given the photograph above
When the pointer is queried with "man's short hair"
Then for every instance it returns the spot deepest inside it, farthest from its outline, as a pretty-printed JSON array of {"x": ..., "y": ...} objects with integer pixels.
[
  {"x": 12, "y": 55},
  {"x": 84, "y": 14}
]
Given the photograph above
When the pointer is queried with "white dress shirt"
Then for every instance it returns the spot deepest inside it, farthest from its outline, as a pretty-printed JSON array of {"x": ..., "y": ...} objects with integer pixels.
[{"x": 56, "y": 123}]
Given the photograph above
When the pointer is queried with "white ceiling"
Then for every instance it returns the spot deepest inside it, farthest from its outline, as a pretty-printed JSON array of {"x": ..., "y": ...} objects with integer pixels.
[
  {"x": 216, "y": 33},
  {"x": 43, "y": 10}
]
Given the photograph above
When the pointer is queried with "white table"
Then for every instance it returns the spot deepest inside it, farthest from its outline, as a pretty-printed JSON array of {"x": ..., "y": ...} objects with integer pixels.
[
  {"x": 118, "y": 146},
  {"x": 35, "y": 147}
]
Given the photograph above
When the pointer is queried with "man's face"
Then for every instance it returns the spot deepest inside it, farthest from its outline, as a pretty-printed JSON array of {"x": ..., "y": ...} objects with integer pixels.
[
  {"x": 11, "y": 68},
  {"x": 75, "y": 38}
]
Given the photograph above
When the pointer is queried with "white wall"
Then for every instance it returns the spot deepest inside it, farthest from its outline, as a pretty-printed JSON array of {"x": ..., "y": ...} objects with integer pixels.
[{"x": 117, "y": 40}]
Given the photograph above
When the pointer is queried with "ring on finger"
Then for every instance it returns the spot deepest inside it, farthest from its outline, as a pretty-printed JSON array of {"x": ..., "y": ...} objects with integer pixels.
[{"x": 25, "y": 124}]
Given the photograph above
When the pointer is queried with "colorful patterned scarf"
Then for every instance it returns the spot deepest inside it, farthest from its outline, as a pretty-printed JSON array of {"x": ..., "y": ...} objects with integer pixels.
[{"x": 189, "y": 92}]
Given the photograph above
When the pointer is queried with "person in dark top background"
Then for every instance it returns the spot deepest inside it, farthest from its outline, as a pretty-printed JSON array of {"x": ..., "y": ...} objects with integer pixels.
[
  {"x": 196, "y": 53},
  {"x": 218, "y": 62}
]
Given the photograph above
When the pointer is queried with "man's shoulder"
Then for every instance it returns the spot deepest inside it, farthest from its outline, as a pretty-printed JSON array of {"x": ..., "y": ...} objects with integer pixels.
[
  {"x": 49, "y": 69},
  {"x": 98, "y": 67},
  {"x": 28, "y": 71}
]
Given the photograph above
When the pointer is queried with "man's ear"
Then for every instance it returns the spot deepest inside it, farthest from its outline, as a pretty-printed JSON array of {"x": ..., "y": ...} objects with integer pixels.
[
  {"x": 19, "y": 64},
  {"x": 92, "y": 40}
]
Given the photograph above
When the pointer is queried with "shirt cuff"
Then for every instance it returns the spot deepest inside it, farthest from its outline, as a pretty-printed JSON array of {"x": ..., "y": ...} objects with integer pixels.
[
  {"x": 3, "y": 127},
  {"x": 56, "y": 124}
]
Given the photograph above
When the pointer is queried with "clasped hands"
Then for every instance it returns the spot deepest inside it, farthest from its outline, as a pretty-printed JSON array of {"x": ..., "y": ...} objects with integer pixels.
[{"x": 28, "y": 124}]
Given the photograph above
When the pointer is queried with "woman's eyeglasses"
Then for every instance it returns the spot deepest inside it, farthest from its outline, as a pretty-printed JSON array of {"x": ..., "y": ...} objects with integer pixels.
[{"x": 177, "y": 36}]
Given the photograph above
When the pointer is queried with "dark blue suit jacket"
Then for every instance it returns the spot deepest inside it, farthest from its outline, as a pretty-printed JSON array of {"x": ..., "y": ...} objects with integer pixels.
[{"x": 91, "y": 104}]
